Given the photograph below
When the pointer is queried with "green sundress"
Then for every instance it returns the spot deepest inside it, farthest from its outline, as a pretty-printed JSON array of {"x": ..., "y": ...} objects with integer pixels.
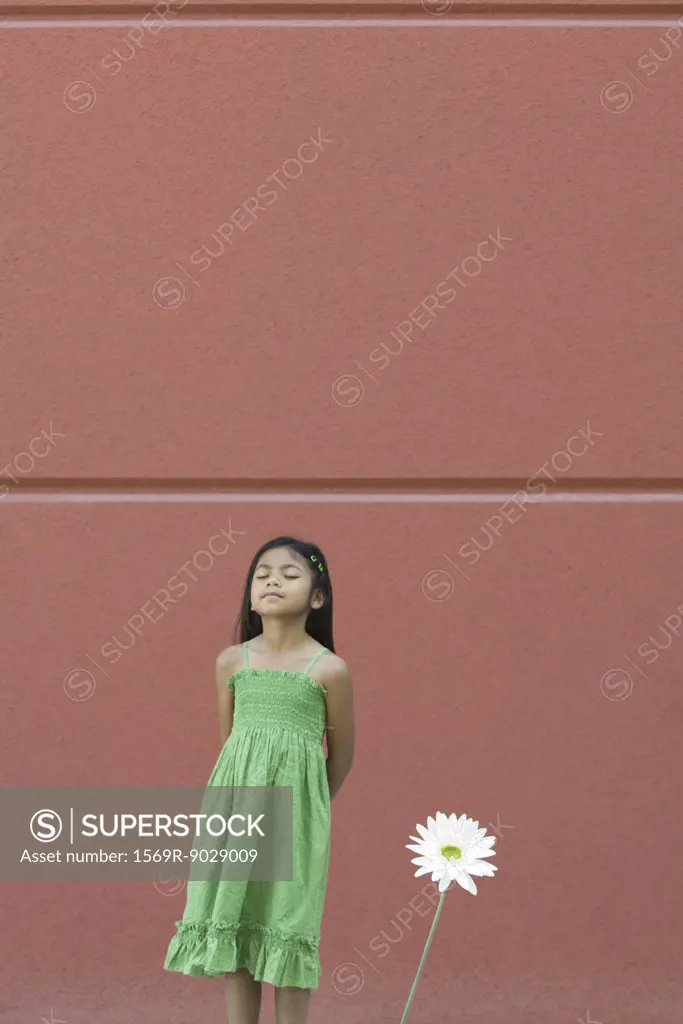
[{"x": 272, "y": 928}]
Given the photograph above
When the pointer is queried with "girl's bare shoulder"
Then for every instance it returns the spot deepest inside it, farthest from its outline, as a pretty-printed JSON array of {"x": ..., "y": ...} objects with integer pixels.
[
  {"x": 332, "y": 670},
  {"x": 228, "y": 662}
]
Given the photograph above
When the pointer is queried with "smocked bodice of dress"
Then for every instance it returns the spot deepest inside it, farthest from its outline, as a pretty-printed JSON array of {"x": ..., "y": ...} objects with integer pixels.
[{"x": 269, "y": 698}]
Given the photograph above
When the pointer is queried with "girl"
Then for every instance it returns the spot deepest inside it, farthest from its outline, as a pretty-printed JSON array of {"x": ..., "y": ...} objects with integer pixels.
[{"x": 279, "y": 689}]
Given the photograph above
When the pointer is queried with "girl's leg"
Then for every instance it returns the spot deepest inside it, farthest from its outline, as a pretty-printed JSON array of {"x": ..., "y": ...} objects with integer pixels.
[
  {"x": 291, "y": 1005},
  {"x": 242, "y": 997}
]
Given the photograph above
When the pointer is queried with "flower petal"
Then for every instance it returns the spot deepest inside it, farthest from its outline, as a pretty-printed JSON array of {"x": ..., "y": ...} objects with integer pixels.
[
  {"x": 482, "y": 867},
  {"x": 466, "y": 882}
]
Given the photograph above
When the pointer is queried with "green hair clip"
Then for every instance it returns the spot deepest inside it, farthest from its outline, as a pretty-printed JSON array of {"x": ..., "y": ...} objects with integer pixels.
[{"x": 320, "y": 564}]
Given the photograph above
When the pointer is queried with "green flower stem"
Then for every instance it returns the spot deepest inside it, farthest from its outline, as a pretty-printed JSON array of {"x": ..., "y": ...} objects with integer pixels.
[{"x": 424, "y": 956}]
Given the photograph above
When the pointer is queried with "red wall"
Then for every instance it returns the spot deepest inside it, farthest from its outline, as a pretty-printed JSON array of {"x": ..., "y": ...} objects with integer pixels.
[{"x": 254, "y": 391}]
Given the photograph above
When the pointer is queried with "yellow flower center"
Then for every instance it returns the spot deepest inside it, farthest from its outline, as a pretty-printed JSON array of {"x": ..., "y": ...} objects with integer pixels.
[{"x": 451, "y": 852}]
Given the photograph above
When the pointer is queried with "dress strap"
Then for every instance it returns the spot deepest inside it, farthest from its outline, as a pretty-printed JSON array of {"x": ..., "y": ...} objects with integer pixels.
[
  {"x": 246, "y": 655},
  {"x": 323, "y": 650}
]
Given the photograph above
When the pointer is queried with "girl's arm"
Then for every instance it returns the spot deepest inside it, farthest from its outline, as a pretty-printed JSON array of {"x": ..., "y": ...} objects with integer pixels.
[
  {"x": 225, "y": 667},
  {"x": 340, "y": 723}
]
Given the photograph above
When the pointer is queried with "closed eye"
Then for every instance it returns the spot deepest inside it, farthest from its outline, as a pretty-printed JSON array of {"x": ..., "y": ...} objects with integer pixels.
[{"x": 286, "y": 577}]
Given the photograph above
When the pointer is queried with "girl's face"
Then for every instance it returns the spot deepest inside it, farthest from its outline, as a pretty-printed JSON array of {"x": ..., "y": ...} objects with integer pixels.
[{"x": 281, "y": 584}]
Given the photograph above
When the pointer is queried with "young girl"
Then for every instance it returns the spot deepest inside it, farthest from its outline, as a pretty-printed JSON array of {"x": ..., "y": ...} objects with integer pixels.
[{"x": 279, "y": 690}]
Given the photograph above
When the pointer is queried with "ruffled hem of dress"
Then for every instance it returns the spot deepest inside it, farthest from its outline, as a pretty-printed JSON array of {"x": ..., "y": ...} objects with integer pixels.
[{"x": 207, "y": 949}]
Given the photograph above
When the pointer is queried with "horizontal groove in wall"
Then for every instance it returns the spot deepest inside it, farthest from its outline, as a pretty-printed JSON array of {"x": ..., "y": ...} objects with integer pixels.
[
  {"x": 435, "y": 12},
  {"x": 345, "y": 491},
  {"x": 340, "y": 498}
]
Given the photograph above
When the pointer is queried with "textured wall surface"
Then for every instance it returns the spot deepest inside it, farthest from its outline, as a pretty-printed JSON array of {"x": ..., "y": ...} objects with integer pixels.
[{"x": 362, "y": 282}]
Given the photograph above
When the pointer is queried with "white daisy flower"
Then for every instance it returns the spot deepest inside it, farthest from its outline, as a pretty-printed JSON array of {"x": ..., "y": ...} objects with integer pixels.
[{"x": 453, "y": 848}]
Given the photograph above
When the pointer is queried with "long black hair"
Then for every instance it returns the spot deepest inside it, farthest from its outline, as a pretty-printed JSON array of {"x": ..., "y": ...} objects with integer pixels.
[{"x": 319, "y": 621}]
